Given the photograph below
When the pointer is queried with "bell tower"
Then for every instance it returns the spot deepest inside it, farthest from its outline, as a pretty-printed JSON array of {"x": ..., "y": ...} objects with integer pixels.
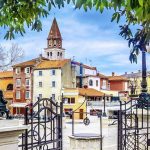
[{"x": 54, "y": 50}]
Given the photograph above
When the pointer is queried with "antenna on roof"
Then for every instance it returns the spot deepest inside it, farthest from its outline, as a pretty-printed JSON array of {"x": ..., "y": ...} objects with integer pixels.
[
  {"x": 90, "y": 61},
  {"x": 73, "y": 58},
  {"x": 86, "y": 60}
]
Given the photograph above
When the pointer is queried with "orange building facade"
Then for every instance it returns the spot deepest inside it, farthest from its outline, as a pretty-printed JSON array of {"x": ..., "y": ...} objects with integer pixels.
[
  {"x": 119, "y": 83},
  {"x": 6, "y": 85}
]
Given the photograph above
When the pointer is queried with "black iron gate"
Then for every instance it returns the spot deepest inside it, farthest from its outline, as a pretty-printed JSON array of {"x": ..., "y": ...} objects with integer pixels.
[
  {"x": 133, "y": 124},
  {"x": 44, "y": 119}
]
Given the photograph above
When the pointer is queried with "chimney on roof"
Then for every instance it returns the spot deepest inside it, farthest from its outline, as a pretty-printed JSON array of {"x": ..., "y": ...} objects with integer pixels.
[
  {"x": 126, "y": 73},
  {"x": 40, "y": 55},
  {"x": 131, "y": 72},
  {"x": 113, "y": 73},
  {"x": 139, "y": 71}
]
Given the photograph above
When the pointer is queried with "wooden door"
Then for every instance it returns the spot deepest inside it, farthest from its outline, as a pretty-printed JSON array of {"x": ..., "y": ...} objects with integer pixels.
[{"x": 81, "y": 114}]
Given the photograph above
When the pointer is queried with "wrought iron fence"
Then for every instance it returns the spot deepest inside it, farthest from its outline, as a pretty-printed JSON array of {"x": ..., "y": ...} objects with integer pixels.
[
  {"x": 44, "y": 119},
  {"x": 133, "y": 124}
]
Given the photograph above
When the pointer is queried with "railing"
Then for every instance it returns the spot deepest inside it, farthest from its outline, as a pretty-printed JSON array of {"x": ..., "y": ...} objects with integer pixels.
[{"x": 108, "y": 104}]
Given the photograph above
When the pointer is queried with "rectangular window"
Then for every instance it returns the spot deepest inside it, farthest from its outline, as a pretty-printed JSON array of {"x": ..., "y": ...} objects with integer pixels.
[
  {"x": 18, "y": 70},
  {"x": 53, "y": 96},
  {"x": 18, "y": 82},
  {"x": 53, "y": 72},
  {"x": 69, "y": 100},
  {"x": 40, "y": 84},
  {"x": 65, "y": 100},
  {"x": 40, "y": 96},
  {"x": 96, "y": 82},
  {"x": 27, "y": 70},
  {"x": 40, "y": 73},
  {"x": 17, "y": 94},
  {"x": 72, "y": 100},
  {"x": 27, "y": 96},
  {"x": 53, "y": 84},
  {"x": 104, "y": 84},
  {"x": 27, "y": 82}
]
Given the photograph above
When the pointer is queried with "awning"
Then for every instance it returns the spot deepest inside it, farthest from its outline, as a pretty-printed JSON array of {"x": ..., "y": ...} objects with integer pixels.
[{"x": 21, "y": 105}]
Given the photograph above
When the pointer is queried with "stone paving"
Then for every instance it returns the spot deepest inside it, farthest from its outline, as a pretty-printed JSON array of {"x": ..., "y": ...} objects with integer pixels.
[{"x": 109, "y": 132}]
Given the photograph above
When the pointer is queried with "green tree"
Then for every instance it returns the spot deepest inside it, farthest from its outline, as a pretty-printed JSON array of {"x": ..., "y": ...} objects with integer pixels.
[{"x": 16, "y": 14}]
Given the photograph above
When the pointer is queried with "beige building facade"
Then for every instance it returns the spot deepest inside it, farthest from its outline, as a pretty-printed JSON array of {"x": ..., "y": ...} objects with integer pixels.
[{"x": 50, "y": 77}]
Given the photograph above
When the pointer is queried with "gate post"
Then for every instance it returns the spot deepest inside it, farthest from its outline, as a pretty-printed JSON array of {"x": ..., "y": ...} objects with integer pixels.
[
  {"x": 26, "y": 131},
  {"x": 119, "y": 130},
  {"x": 59, "y": 134}
]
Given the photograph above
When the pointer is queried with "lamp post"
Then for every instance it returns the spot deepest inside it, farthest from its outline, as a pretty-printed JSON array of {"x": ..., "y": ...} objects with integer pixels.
[
  {"x": 104, "y": 112},
  {"x": 144, "y": 97},
  {"x": 144, "y": 74}
]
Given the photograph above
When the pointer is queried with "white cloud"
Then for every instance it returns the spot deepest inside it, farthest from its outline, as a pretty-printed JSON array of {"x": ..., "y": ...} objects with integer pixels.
[{"x": 104, "y": 47}]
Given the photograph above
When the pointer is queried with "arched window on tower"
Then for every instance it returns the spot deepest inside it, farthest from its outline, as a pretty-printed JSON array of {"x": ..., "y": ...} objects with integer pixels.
[
  {"x": 60, "y": 55},
  {"x": 10, "y": 87},
  {"x": 57, "y": 53},
  {"x": 54, "y": 43},
  {"x": 51, "y": 54},
  {"x": 47, "y": 54},
  {"x": 59, "y": 43}
]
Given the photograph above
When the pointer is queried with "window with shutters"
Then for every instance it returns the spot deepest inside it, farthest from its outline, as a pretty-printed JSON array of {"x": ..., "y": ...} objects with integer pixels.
[
  {"x": 53, "y": 84},
  {"x": 18, "y": 82},
  {"x": 27, "y": 96},
  {"x": 96, "y": 82},
  {"x": 27, "y": 70},
  {"x": 17, "y": 94},
  {"x": 40, "y": 84},
  {"x": 40, "y": 73},
  {"x": 53, "y": 72},
  {"x": 18, "y": 70},
  {"x": 91, "y": 82},
  {"x": 27, "y": 82}
]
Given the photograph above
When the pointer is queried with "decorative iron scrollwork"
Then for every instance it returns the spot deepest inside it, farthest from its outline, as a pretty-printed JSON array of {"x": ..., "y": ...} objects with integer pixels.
[{"x": 86, "y": 121}]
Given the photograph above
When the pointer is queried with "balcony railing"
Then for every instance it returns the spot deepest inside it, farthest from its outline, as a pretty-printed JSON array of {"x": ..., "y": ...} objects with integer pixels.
[{"x": 101, "y": 103}]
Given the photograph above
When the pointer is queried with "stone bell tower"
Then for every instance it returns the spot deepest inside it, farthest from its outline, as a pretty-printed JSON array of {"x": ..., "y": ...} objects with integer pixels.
[{"x": 54, "y": 50}]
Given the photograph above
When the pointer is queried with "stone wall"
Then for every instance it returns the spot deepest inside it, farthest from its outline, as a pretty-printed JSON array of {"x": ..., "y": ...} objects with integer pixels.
[{"x": 85, "y": 143}]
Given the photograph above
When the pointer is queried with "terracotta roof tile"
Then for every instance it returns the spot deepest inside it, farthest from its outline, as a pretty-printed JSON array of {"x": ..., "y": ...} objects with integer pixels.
[
  {"x": 52, "y": 64},
  {"x": 30, "y": 62},
  {"x": 90, "y": 92},
  {"x": 54, "y": 31},
  {"x": 6, "y": 74},
  {"x": 102, "y": 75},
  {"x": 117, "y": 78}
]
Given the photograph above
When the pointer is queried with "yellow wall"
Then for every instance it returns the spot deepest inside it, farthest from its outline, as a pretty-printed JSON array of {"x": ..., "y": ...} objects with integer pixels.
[
  {"x": 4, "y": 83},
  {"x": 68, "y": 93},
  {"x": 138, "y": 89},
  {"x": 3, "y": 86}
]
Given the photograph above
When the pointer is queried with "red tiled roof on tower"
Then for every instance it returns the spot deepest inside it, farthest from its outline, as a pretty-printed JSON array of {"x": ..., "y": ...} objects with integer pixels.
[{"x": 54, "y": 31}]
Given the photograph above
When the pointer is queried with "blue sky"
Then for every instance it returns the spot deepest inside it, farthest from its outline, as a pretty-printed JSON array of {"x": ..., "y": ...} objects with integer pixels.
[{"x": 89, "y": 37}]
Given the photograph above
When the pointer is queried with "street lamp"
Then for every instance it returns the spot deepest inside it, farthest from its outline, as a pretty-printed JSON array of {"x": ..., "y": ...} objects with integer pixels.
[
  {"x": 144, "y": 74},
  {"x": 144, "y": 97},
  {"x": 104, "y": 112}
]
